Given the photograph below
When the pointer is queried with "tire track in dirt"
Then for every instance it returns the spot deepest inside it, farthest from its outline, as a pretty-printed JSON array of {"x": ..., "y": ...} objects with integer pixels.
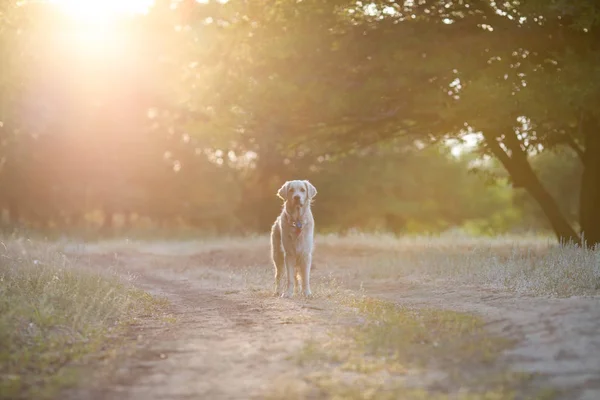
[{"x": 224, "y": 345}]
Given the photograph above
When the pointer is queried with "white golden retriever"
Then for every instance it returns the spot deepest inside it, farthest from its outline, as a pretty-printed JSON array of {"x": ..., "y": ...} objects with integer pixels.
[{"x": 292, "y": 238}]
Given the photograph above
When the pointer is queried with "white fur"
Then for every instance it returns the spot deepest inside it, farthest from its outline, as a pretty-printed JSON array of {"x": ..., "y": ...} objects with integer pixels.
[{"x": 291, "y": 248}]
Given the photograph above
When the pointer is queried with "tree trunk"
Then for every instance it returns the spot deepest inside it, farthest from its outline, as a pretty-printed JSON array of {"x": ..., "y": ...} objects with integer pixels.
[
  {"x": 127, "y": 223},
  {"x": 561, "y": 227},
  {"x": 14, "y": 213},
  {"x": 589, "y": 196},
  {"x": 522, "y": 174},
  {"x": 108, "y": 222}
]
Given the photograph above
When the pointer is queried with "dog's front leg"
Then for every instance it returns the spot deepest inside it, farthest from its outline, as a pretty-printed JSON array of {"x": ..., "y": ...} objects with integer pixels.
[
  {"x": 297, "y": 275},
  {"x": 305, "y": 264},
  {"x": 290, "y": 266}
]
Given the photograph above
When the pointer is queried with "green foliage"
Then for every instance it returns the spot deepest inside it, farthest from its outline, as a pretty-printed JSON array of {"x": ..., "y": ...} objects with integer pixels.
[{"x": 408, "y": 191}]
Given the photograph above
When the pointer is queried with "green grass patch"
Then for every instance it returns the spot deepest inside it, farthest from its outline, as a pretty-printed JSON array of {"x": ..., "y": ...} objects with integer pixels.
[
  {"x": 417, "y": 336},
  {"x": 395, "y": 352},
  {"x": 54, "y": 314}
]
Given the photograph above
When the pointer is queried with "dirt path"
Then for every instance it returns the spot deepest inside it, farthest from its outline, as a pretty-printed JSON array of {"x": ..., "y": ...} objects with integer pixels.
[
  {"x": 557, "y": 338},
  {"x": 232, "y": 340},
  {"x": 223, "y": 344}
]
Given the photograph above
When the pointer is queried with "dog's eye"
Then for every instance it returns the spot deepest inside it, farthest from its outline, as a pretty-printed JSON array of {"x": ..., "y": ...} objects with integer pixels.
[{"x": 302, "y": 190}]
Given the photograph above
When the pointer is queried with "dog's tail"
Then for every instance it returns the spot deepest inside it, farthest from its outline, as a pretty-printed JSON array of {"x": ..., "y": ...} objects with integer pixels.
[{"x": 277, "y": 253}]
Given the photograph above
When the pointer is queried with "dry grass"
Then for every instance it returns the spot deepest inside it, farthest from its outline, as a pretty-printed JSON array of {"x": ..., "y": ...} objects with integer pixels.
[
  {"x": 533, "y": 265},
  {"x": 393, "y": 352},
  {"x": 52, "y": 314},
  {"x": 530, "y": 265}
]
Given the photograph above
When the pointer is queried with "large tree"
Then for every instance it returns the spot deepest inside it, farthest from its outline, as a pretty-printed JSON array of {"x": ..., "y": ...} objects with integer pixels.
[{"x": 353, "y": 73}]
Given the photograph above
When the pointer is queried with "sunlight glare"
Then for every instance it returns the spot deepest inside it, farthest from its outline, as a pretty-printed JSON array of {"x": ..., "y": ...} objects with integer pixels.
[
  {"x": 96, "y": 30},
  {"x": 98, "y": 11}
]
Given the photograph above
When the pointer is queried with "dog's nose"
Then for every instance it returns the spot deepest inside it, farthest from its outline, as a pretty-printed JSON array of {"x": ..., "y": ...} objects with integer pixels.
[{"x": 297, "y": 197}]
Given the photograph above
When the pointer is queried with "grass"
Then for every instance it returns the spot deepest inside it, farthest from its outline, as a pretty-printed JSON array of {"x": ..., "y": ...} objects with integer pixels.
[
  {"x": 532, "y": 265},
  {"x": 415, "y": 335},
  {"x": 397, "y": 352},
  {"x": 389, "y": 351},
  {"x": 54, "y": 314},
  {"x": 529, "y": 265}
]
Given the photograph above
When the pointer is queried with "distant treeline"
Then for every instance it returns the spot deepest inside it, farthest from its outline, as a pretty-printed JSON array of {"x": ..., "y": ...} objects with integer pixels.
[
  {"x": 148, "y": 183},
  {"x": 191, "y": 115}
]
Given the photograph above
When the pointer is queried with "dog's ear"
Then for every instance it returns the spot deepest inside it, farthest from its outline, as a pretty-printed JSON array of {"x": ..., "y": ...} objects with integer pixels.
[
  {"x": 282, "y": 192},
  {"x": 312, "y": 191}
]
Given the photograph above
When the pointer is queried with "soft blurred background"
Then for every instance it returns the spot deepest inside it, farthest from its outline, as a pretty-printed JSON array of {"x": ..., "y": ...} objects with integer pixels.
[{"x": 184, "y": 117}]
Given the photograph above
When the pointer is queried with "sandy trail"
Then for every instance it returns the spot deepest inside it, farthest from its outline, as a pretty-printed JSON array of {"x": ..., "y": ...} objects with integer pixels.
[
  {"x": 220, "y": 338},
  {"x": 232, "y": 340},
  {"x": 224, "y": 344}
]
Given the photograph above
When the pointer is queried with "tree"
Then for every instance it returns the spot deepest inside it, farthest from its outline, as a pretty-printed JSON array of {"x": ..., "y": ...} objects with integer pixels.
[
  {"x": 550, "y": 77},
  {"x": 560, "y": 172},
  {"x": 291, "y": 82},
  {"x": 429, "y": 70}
]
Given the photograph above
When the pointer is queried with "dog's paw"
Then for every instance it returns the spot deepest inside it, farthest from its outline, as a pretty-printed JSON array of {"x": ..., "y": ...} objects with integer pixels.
[
  {"x": 308, "y": 294},
  {"x": 288, "y": 294}
]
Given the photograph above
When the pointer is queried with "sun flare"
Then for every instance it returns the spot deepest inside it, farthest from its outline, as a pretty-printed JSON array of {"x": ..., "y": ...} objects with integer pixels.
[
  {"x": 100, "y": 11},
  {"x": 95, "y": 27}
]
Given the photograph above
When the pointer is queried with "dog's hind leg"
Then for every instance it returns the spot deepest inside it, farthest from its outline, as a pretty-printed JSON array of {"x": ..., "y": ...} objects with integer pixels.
[{"x": 278, "y": 257}]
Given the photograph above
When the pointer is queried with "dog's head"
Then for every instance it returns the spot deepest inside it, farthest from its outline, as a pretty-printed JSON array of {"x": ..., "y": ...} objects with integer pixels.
[{"x": 297, "y": 193}]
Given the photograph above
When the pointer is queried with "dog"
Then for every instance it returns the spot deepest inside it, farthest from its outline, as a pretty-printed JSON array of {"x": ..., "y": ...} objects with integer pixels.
[{"x": 292, "y": 238}]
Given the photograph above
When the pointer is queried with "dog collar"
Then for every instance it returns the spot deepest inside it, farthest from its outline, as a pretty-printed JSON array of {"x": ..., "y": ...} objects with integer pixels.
[{"x": 298, "y": 225}]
